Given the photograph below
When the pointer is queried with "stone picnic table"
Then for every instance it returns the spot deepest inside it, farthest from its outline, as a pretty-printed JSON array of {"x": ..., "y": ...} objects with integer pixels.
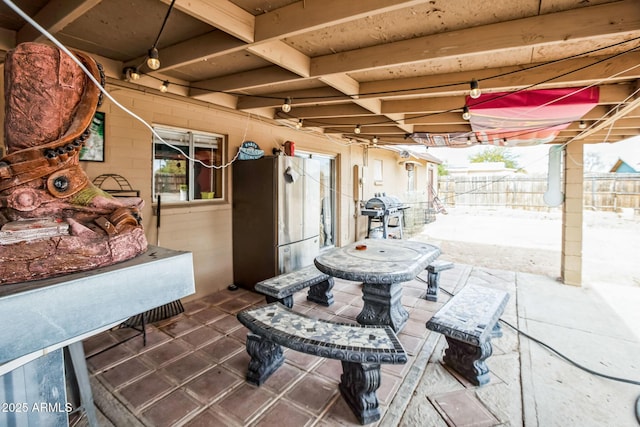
[{"x": 381, "y": 265}]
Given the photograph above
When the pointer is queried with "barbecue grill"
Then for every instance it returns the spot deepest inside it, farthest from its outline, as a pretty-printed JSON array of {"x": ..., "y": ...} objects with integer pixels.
[{"x": 380, "y": 209}]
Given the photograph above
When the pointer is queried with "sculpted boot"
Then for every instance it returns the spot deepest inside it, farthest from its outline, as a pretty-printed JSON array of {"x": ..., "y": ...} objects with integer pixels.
[{"x": 53, "y": 220}]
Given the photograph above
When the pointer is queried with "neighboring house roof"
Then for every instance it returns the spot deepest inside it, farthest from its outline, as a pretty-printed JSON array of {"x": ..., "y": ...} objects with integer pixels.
[
  {"x": 623, "y": 167},
  {"x": 416, "y": 152}
]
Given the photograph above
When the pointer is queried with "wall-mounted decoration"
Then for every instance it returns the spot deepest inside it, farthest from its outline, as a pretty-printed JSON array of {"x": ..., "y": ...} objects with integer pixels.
[
  {"x": 93, "y": 150},
  {"x": 249, "y": 150}
]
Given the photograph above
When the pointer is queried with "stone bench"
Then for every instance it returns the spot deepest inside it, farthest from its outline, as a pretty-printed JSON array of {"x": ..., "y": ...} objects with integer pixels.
[
  {"x": 360, "y": 348},
  {"x": 433, "y": 280},
  {"x": 281, "y": 288},
  {"x": 468, "y": 321}
]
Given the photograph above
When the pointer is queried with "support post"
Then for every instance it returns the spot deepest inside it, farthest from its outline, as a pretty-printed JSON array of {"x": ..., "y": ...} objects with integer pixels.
[{"x": 571, "y": 261}]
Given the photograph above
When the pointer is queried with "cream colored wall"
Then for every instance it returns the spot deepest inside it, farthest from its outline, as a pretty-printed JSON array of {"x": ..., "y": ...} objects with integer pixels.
[
  {"x": 205, "y": 229},
  {"x": 394, "y": 182}
]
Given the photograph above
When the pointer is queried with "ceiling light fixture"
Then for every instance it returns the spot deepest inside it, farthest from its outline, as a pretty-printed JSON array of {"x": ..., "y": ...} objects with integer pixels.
[
  {"x": 286, "y": 107},
  {"x": 299, "y": 124},
  {"x": 357, "y": 129},
  {"x": 466, "y": 115},
  {"x": 475, "y": 90},
  {"x": 165, "y": 86},
  {"x": 582, "y": 124}
]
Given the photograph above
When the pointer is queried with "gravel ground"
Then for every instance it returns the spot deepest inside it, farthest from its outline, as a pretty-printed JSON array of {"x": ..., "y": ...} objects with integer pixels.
[{"x": 529, "y": 241}]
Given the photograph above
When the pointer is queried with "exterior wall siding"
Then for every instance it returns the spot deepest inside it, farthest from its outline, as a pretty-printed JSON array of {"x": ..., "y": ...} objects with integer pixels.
[{"x": 205, "y": 229}]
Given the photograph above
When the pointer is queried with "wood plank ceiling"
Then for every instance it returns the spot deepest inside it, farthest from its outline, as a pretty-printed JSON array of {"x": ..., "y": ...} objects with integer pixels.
[{"x": 394, "y": 67}]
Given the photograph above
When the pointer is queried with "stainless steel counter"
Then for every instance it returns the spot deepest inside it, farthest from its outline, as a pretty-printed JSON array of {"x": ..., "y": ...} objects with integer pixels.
[{"x": 39, "y": 318}]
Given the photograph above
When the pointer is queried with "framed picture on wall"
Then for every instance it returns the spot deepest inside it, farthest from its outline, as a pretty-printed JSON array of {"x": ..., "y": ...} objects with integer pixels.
[{"x": 93, "y": 150}]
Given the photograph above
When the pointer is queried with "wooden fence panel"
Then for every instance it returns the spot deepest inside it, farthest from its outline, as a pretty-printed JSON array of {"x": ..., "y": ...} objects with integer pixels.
[{"x": 602, "y": 191}]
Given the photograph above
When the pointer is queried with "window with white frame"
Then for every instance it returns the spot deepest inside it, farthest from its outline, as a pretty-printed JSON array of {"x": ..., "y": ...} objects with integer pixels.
[{"x": 179, "y": 171}]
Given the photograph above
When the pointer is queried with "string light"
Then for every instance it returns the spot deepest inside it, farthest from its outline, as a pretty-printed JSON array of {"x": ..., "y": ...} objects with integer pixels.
[
  {"x": 286, "y": 107},
  {"x": 466, "y": 115},
  {"x": 582, "y": 124},
  {"x": 153, "y": 59},
  {"x": 475, "y": 90},
  {"x": 357, "y": 129},
  {"x": 131, "y": 74},
  {"x": 165, "y": 86},
  {"x": 375, "y": 140},
  {"x": 299, "y": 124},
  {"x": 468, "y": 140}
]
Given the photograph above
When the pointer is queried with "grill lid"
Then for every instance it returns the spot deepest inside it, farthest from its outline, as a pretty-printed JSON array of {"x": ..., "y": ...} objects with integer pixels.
[{"x": 383, "y": 202}]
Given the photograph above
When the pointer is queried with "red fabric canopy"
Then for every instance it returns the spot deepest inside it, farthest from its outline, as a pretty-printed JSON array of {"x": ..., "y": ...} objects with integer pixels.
[{"x": 528, "y": 117}]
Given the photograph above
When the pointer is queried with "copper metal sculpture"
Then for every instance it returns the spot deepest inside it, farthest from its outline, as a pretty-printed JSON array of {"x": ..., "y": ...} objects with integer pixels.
[{"x": 54, "y": 220}]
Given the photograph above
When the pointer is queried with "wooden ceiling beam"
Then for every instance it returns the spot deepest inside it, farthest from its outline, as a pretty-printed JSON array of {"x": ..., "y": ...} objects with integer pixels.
[
  {"x": 442, "y": 128},
  {"x": 53, "y": 17},
  {"x": 602, "y": 71},
  {"x": 423, "y": 105},
  {"x": 283, "y": 55},
  {"x": 349, "y": 86},
  {"x": 367, "y": 130},
  {"x": 7, "y": 40},
  {"x": 439, "y": 118},
  {"x": 197, "y": 49},
  {"x": 221, "y": 14},
  {"x": 603, "y": 132},
  {"x": 305, "y": 16},
  {"x": 352, "y": 121},
  {"x": 246, "y": 80},
  {"x": 544, "y": 30},
  {"x": 321, "y": 111},
  {"x": 300, "y": 97}
]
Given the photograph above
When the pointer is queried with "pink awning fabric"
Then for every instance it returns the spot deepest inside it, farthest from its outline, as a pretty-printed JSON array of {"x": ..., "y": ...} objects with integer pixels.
[{"x": 529, "y": 117}]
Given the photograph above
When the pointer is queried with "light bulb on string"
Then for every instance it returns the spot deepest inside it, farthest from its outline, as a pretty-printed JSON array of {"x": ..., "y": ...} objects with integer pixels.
[
  {"x": 375, "y": 140},
  {"x": 165, "y": 86},
  {"x": 475, "y": 89},
  {"x": 582, "y": 124},
  {"x": 299, "y": 124},
  {"x": 466, "y": 115},
  {"x": 357, "y": 129},
  {"x": 153, "y": 59},
  {"x": 131, "y": 74},
  {"x": 286, "y": 107}
]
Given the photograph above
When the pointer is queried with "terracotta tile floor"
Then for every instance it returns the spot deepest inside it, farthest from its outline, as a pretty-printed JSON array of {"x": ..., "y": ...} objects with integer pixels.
[{"x": 191, "y": 372}]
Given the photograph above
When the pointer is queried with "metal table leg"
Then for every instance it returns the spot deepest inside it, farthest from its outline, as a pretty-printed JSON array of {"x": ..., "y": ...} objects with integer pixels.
[{"x": 82, "y": 375}]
